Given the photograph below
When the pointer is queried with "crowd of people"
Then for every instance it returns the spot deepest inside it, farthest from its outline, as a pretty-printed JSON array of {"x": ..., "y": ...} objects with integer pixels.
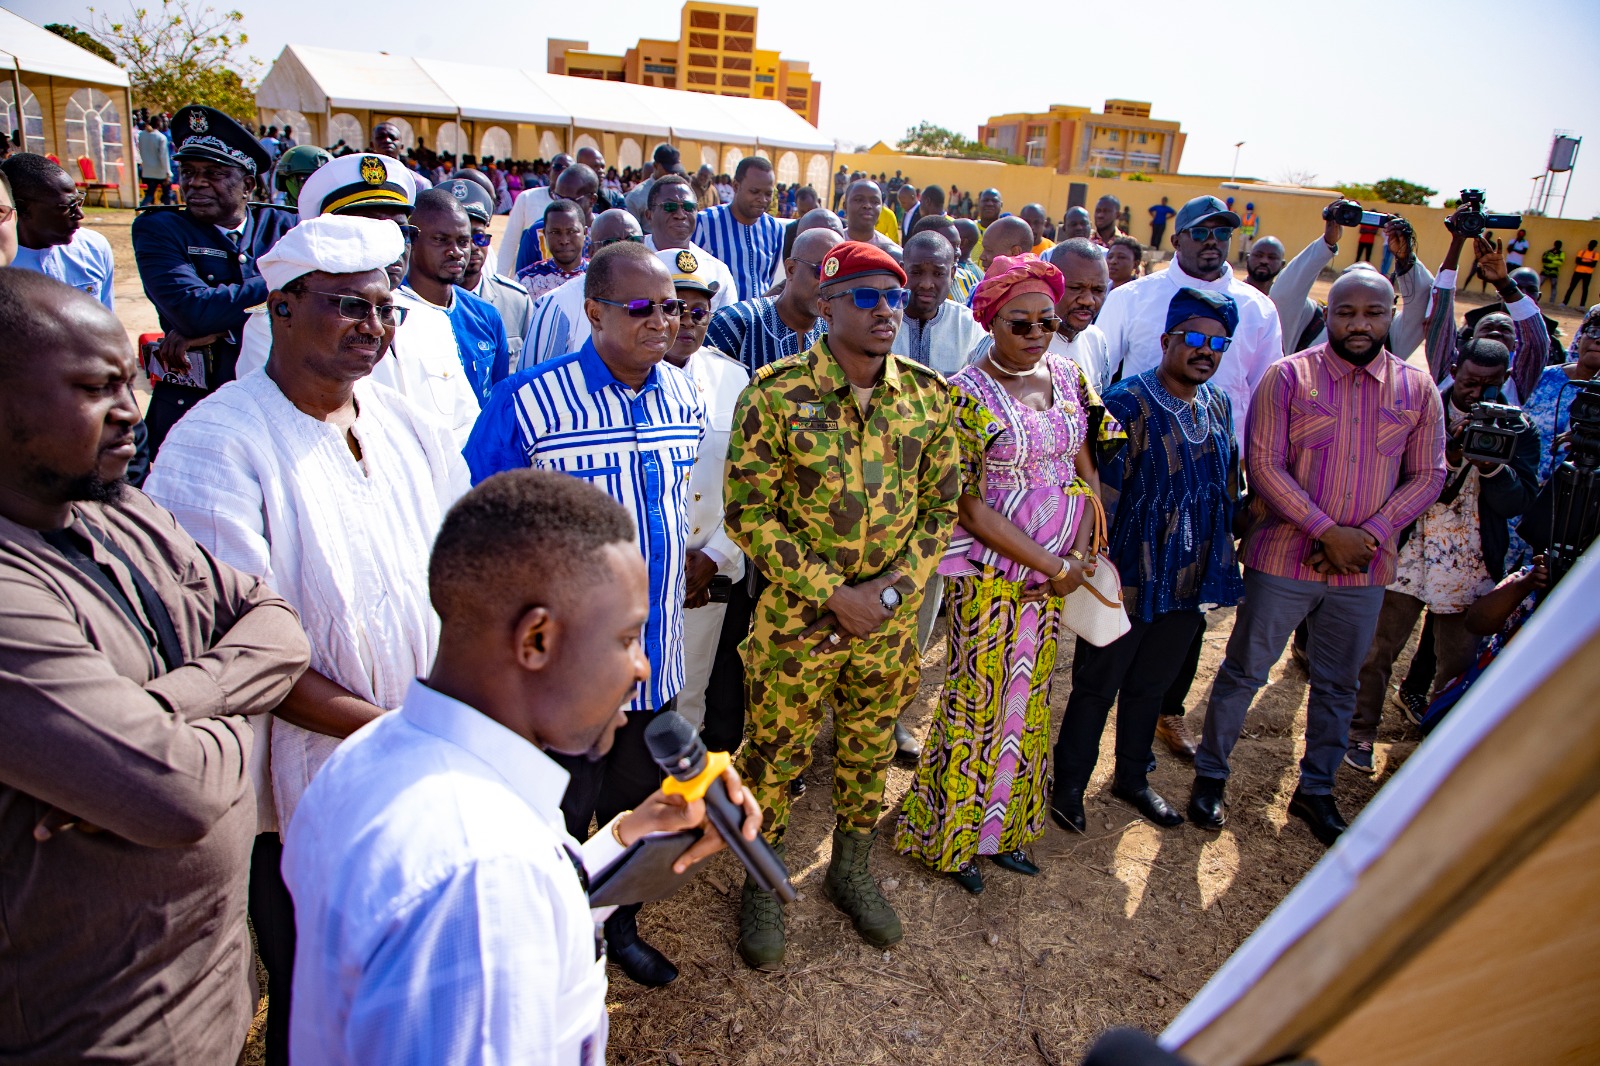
[{"x": 362, "y": 627}]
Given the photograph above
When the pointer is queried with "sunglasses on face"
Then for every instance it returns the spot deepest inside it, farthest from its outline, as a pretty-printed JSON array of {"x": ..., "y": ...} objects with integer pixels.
[
  {"x": 1223, "y": 234},
  {"x": 866, "y": 297},
  {"x": 672, "y": 207},
  {"x": 693, "y": 314},
  {"x": 481, "y": 240},
  {"x": 609, "y": 241},
  {"x": 355, "y": 309},
  {"x": 73, "y": 205},
  {"x": 410, "y": 233},
  {"x": 645, "y": 308},
  {"x": 1022, "y": 327},
  {"x": 1195, "y": 339}
]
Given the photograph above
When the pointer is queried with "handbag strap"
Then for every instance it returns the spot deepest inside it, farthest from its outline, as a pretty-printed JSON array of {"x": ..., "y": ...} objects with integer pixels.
[
  {"x": 1098, "y": 541},
  {"x": 1116, "y": 604}
]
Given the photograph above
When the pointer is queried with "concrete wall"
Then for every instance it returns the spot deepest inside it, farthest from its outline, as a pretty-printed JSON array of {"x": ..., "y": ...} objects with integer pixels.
[{"x": 1294, "y": 217}]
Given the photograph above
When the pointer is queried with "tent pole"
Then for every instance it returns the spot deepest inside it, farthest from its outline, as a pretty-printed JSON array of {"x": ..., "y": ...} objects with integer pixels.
[
  {"x": 22, "y": 116},
  {"x": 132, "y": 149}
]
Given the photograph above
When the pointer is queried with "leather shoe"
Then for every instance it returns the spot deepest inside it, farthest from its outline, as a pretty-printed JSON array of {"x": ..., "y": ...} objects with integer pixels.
[
  {"x": 1015, "y": 861},
  {"x": 1170, "y": 731},
  {"x": 969, "y": 877},
  {"x": 797, "y": 787},
  {"x": 1320, "y": 814},
  {"x": 1207, "y": 807},
  {"x": 905, "y": 745},
  {"x": 1150, "y": 804},
  {"x": 1066, "y": 810},
  {"x": 643, "y": 964}
]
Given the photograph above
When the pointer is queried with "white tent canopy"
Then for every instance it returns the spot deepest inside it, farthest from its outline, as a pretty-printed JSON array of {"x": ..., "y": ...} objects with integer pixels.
[
  {"x": 315, "y": 80},
  {"x": 26, "y": 47}
]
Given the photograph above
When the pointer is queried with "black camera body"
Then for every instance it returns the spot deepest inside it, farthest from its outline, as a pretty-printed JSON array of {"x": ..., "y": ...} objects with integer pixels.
[
  {"x": 1353, "y": 214},
  {"x": 1490, "y": 435},
  {"x": 1472, "y": 220}
]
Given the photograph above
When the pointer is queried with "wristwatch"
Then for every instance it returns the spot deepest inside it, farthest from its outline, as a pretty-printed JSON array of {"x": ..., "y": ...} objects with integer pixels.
[{"x": 889, "y": 596}]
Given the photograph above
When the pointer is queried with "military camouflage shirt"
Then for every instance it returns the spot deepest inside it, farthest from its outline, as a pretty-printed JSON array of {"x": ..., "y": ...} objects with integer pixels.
[{"x": 820, "y": 496}]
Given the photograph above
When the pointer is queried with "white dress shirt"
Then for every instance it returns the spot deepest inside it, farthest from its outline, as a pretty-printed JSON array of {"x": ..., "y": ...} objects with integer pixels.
[
  {"x": 278, "y": 494},
  {"x": 949, "y": 341},
  {"x": 526, "y": 209},
  {"x": 439, "y": 915},
  {"x": 727, "y": 285},
  {"x": 423, "y": 363},
  {"x": 1135, "y": 316}
]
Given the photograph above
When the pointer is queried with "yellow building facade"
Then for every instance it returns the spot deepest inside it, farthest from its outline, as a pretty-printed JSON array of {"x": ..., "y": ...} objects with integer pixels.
[
  {"x": 715, "y": 53},
  {"x": 1122, "y": 139}
]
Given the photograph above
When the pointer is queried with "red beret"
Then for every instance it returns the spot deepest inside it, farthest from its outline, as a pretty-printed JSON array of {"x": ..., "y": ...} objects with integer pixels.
[{"x": 856, "y": 259}]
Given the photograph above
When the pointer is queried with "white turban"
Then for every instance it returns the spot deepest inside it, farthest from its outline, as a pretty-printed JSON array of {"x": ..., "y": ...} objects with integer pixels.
[{"x": 333, "y": 244}]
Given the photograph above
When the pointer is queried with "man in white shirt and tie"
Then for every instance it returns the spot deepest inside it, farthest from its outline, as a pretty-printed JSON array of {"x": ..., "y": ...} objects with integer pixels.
[{"x": 422, "y": 943}]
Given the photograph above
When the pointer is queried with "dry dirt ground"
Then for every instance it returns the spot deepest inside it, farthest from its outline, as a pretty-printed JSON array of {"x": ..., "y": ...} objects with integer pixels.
[{"x": 1122, "y": 927}]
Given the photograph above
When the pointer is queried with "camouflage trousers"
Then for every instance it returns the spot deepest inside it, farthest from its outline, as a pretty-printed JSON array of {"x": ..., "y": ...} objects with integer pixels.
[{"x": 865, "y": 680}]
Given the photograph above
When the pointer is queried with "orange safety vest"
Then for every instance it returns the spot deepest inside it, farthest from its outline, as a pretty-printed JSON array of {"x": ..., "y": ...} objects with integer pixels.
[{"x": 1585, "y": 262}]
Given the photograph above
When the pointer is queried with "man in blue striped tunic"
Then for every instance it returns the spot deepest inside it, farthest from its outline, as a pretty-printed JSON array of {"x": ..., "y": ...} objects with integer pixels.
[
  {"x": 741, "y": 233},
  {"x": 768, "y": 328},
  {"x": 614, "y": 414}
]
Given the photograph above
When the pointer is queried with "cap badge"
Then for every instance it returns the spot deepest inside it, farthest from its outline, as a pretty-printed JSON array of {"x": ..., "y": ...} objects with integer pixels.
[
  {"x": 198, "y": 121},
  {"x": 458, "y": 190},
  {"x": 830, "y": 266},
  {"x": 372, "y": 170},
  {"x": 687, "y": 263}
]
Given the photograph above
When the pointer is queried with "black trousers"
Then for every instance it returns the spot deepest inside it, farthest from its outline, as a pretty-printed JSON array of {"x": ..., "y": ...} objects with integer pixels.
[
  {"x": 725, "y": 691},
  {"x": 1364, "y": 251},
  {"x": 1173, "y": 703},
  {"x": 603, "y": 789},
  {"x": 1419, "y": 680},
  {"x": 1135, "y": 672},
  {"x": 1573, "y": 284},
  {"x": 272, "y": 914},
  {"x": 1156, "y": 233}
]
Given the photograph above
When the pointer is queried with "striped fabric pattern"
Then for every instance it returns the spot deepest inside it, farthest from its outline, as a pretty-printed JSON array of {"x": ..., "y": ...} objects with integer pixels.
[
  {"x": 1331, "y": 444},
  {"x": 750, "y": 251},
  {"x": 752, "y": 333},
  {"x": 572, "y": 415}
]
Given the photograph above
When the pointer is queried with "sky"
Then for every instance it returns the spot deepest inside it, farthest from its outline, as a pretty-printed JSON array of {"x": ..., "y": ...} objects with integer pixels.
[{"x": 1464, "y": 94}]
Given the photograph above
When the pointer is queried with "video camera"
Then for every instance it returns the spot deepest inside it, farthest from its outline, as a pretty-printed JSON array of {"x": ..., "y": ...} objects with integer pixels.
[
  {"x": 1349, "y": 213},
  {"x": 1575, "y": 519},
  {"x": 1490, "y": 435},
  {"x": 1471, "y": 221}
]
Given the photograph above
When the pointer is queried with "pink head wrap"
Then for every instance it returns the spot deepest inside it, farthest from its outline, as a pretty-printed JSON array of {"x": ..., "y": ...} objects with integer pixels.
[{"x": 1010, "y": 277}]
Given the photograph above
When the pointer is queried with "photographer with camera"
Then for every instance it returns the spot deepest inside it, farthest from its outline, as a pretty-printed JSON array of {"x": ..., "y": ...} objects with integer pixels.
[
  {"x": 1456, "y": 551},
  {"x": 1288, "y": 285},
  {"x": 1521, "y": 329}
]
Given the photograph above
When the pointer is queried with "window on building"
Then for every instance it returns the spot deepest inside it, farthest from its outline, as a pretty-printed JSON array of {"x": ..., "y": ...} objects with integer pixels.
[
  {"x": 659, "y": 68},
  {"x": 699, "y": 77},
  {"x": 669, "y": 83},
  {"x": 737, "y": 81},
  {"x": 704, "y": 40},
  {"x": 32, "y": 124},
  {"x": 94, "y": 129},
  {"x": 1114, "y": 136},
  {"x": 764, "y": 79},
  {"x": 738, "y": 44},
  {"x": 1144, "y": 138},
  {"x": 736, "y": 63},
  {"x": 702, "y": 59},
  {"x": 740, "y": 23},
  {"x": 704, "y": 20}
]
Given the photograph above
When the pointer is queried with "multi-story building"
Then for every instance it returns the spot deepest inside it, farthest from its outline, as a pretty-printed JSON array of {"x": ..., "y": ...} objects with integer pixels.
[
  {"x": 1076, "y": 140},
  {"x": 715, "y": 53}
]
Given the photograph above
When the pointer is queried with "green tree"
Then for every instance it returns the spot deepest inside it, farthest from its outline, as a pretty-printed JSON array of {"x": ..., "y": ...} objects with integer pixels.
[
  {"x": 81, "y": 39},
  {"x": 925, "y": 138},
  {"x": 1357, "y": 192},
  {"x": 1400, "y": 191},
  {"x": 184, "y": 53}
]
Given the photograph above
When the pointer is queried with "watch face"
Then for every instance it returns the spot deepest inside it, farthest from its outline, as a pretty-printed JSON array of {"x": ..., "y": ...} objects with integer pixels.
[{"x": 890, "y": 597}]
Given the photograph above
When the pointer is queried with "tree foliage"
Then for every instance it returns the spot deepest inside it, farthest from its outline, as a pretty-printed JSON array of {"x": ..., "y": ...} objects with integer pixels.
[
  {"x": 183, "y": 53},
  {"x": 1356, "y": 192},
  {"x": 81, "y": 39},
  {"x": 925, "y": 138},
  {"x": 1400, "y": 191}
]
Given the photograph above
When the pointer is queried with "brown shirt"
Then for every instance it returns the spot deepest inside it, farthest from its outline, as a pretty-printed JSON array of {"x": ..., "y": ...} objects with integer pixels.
[{"x": 125, "y": 941}]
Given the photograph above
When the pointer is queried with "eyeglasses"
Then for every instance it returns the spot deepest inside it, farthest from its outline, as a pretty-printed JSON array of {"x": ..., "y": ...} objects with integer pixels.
[
  {"x": 6, "y": 211},
  {"x": 816, "y": 268},
  {"x": 73, "y": 204},
  {"x": 1591, "y": 329},
  {"x": 355, "y": 309},
  {"x": 693, "y": 314},
  {"x": 1195, "y": 339},
  {"x": 1223, "y": 234},
  {"x": 632, "y": 238},
  {"x": 481, "y": 240},
  {"x": 645, "y": 308},
  {"x": 1022, "y": 327},
  {"x": 866, "y": 297},
  {"x": 672, "y": 207}
]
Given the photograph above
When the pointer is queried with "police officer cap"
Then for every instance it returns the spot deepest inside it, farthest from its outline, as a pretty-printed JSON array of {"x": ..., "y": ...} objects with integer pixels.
[
  {"x": 472, "y": 197},
  {"x": 689, "y": 271},
  {"x": 206, "y": 134},
  {"x": 361, "y": 179}
]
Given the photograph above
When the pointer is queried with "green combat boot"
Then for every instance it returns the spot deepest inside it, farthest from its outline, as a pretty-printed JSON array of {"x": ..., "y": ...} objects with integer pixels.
[
  {"x": 850, "y": 887},
  {"x": 760, "y": 926}
]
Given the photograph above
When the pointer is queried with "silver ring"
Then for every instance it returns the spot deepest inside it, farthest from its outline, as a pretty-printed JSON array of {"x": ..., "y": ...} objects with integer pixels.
[{"x": 833, "y": 638}]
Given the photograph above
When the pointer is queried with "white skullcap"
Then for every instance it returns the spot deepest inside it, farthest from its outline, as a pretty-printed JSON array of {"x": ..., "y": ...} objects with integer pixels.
[{"x": 333, "y": 244}]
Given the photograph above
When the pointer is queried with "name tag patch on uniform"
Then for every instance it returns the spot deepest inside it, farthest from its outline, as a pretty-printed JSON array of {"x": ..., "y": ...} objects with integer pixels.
[
  {"x": 813, "y": 417},
  {"x": 208, "y": 251}
]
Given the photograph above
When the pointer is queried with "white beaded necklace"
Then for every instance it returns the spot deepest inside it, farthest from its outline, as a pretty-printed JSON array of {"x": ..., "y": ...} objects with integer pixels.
[
  {"x": 1194, "y": 419},
  {"x": 1015, "y": 373}
]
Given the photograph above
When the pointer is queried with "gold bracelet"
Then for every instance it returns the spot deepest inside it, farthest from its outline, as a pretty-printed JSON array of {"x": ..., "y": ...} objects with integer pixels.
[
  {"x": 1078, "y": 555},
  {"x": 1066, "y": 568},
  {"x": 616, "y": 827}
]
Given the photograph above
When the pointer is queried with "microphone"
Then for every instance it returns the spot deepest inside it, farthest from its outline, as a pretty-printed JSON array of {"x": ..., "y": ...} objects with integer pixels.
[{"x": 696, "y": 774}]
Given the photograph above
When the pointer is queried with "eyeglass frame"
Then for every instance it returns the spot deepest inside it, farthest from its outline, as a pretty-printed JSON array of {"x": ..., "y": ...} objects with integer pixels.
[
  {"x": 1051, "y": 323},
  {"x": 397, "y": 312},
  {"x": 1207, "y": 340},
  {"x": 649, "y": 306},
  {"x": 74, "y": 204},
  {"x": 1223, "y": 234},
  {"x": 482, "y": 240},
  {"x": 881, "y": 296},
  {"x": 672, "y": 207}
]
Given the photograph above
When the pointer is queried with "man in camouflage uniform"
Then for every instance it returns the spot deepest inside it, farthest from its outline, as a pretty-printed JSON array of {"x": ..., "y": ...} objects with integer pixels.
[{"x": 842, "y": 489}]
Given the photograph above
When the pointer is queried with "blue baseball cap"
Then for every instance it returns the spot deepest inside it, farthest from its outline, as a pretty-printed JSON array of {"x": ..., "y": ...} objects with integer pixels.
[{"x": 1203, "y": 209}]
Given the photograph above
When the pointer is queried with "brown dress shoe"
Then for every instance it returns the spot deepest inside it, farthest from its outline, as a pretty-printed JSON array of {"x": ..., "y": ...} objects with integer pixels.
[{"x": 1170, "y": 731}]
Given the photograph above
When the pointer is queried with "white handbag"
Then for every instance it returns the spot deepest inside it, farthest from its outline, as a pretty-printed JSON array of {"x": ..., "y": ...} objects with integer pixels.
[{"x": 1094, "y": 610}]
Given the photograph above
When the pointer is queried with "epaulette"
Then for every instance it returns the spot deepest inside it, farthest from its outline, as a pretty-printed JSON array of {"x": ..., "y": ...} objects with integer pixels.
[
  {"x": 922, "y": 368},
  {"x": 778, "y": 365}
]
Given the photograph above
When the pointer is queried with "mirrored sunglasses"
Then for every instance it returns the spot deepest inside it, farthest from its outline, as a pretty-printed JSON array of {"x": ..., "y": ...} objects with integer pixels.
[
  {"x": 1022, "y": 327},
  {"x": 645, "y": 308},
  {"x": 481, "y": 240},
  {"x": 1223, "y": 234},
  {"x": 1195, "y": 339},
  {"x": 866, "y": 297}
]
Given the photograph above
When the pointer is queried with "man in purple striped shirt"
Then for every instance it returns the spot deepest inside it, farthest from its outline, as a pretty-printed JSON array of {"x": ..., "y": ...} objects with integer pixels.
[{"x": 1344, "y": 447}]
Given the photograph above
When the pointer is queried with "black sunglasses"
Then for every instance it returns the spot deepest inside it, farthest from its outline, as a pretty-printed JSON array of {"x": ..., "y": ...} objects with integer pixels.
[
  {"x": 645, "y": 308},
  {"x": 1022, "y": 327},
  {"x": 481, "y": 240},
  {"x": 355, "y": 309},
  {"x": 1197, "y": 340},
  {"x": 693, "y": 314},
  {"x": 1223, "y": 234},
  {"x": 672, "y": 207},
  {"x": 410, "y": 233}
]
